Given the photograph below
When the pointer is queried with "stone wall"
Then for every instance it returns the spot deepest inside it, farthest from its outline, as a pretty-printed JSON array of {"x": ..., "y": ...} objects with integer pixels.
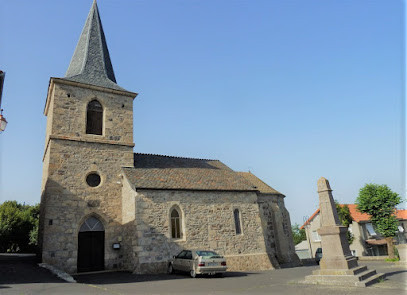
[
  {"x": 70, "y": 155},
  {"x": 128, "y": 201},
  {"x": 268, "y": 224},
  {"x": 66, "y": 111},
  {"x": 286, "y": 240},
  {"x": 69, "y": 200},
  {"x": 129, "y": 225},
  {"x": 277, "y": 229},
  {"x": 251, "y": 262},
  {"x": 208, "y": 223}
]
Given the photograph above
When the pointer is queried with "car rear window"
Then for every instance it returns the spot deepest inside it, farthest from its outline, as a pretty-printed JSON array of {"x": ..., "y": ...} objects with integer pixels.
[{"x": 208, "y": 254}]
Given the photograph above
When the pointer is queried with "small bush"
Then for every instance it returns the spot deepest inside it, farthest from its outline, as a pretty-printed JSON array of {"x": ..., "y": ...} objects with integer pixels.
[{"x": 18, "y": 227}]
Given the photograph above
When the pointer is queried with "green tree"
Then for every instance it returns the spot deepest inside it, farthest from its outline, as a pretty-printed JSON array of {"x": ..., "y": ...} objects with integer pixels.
[
  {"x": 34, "y": 213},
  {"x": 345, "y": 218},
  {"x": 298, "y": 234},
  {"x": 380, "y": 202},
  {"x": 16, "y": 223}
]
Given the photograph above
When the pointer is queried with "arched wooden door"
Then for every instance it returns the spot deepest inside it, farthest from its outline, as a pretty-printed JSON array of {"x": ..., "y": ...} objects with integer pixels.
[{"x": 91, "y": 245}]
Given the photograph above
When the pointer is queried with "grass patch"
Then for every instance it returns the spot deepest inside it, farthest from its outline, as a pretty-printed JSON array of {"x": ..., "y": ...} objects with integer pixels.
[{"x": 392, "y": 259}]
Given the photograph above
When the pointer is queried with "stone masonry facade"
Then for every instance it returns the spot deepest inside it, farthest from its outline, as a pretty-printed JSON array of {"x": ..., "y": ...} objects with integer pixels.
[
  {"x": 70, "y": 156},
  {"x": 207, "y": 221},
  {"x": 104, "y": 207},
  {"x": 276, "y": 226}
]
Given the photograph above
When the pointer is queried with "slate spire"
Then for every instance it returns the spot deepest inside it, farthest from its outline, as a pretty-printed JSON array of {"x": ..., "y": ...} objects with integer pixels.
[{"x": 90, "y": 63}]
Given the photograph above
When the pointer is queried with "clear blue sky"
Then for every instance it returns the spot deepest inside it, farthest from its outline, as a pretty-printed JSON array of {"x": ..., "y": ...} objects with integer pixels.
[{"x": 290, "y": 90}]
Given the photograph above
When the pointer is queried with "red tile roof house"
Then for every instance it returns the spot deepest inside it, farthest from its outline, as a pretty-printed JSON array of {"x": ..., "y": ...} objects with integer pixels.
[{"x": 367, "y": 242}]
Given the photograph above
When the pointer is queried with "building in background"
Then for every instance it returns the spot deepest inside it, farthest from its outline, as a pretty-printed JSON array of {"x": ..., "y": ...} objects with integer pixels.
[
  {"x": 366, "y": 242},
  {"x": 302, "y": 250}
]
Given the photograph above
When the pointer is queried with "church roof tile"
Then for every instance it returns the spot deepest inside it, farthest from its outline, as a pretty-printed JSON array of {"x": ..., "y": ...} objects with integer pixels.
[
  {"x": 261, "y": 186},
  {"x": 165, "y": 172}
]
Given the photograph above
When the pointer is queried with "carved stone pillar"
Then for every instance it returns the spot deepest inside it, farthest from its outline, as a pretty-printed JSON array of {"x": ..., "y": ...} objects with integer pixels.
[
  {"x": 337, "y": 266},
  {"x": 336, "y": 251}
]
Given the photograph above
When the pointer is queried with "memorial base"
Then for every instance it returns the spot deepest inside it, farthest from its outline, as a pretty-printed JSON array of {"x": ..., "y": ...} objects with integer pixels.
[{"x": 358, "y": 276}]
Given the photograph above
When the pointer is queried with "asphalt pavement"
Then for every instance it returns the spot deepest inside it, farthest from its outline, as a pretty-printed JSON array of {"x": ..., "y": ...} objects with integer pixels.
[{"x": 21, "y": 275}]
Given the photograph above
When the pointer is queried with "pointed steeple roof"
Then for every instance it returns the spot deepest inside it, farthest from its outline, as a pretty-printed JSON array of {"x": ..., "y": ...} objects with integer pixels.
[{"x": 90, "y": 63}]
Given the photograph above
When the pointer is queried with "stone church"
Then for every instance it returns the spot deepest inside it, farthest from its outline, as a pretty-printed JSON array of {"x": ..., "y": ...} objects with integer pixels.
[{"x": 105, "y": 207}]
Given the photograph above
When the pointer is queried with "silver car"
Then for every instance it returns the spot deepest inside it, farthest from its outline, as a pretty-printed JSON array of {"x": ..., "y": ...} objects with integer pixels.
[{"x": 198, "y": 262}]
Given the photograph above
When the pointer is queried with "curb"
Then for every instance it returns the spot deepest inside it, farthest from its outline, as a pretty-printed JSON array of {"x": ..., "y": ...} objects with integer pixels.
[{"x": 59, "y": 273}]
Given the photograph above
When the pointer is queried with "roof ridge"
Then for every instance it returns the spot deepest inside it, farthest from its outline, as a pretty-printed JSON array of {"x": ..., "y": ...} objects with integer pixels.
[
  {"x": 256, "y": 177},
  {"x": 261, "y": 185},
  {"x": 176, "y": 157}
]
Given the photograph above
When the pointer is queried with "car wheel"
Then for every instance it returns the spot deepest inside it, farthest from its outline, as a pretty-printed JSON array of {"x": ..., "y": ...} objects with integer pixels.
[
  {"x": 192, "y": 273},
  {"x": 170, "y": 269}
]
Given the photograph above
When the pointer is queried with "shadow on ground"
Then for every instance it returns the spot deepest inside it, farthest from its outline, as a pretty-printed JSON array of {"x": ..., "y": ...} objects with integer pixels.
[
  {"x": 121, "y": 277},
  {"x": 389, "y": 274},
  {"x": 23, "y": 269}
]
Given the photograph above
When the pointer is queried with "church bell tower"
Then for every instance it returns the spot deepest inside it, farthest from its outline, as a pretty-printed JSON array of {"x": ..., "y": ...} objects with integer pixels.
[{"x": 89, "y": 138}]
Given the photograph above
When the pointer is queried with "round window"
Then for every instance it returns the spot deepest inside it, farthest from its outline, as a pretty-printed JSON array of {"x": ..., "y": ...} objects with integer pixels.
[{"x": 93, "y": 179}]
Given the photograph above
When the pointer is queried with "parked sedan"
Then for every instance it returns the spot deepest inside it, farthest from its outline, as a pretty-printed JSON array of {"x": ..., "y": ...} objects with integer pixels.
[{"x": 198, "y": 262}]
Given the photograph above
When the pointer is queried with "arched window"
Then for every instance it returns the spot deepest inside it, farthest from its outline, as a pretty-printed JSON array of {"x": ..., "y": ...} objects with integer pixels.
[
  {"x": 94, "y": 118},
  {"x": 176, "y": 232},
  {"x": 238, "y": 227},
  {"x": 92, "y": 224}
]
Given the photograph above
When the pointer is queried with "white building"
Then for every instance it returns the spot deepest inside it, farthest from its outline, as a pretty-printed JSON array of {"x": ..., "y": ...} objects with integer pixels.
[{"x": 366, "y": 242}]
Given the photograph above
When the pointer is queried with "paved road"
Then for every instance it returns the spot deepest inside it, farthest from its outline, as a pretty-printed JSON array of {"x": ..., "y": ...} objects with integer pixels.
[{"x": 20, "y": 275}]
